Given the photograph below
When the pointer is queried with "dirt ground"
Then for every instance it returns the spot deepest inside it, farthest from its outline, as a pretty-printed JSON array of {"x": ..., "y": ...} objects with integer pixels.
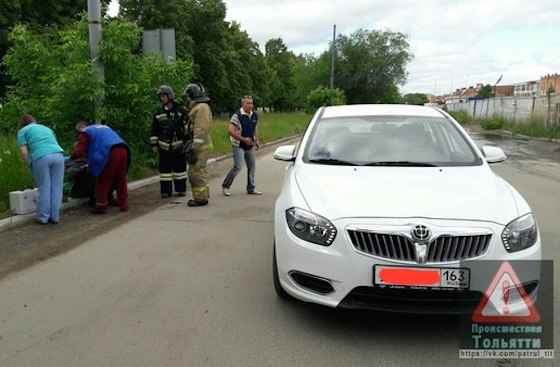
[{"x": 30, "y": 243}]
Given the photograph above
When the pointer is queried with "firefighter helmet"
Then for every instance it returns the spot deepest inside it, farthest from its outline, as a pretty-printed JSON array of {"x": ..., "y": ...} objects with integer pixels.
[
  {"x": 167, "y": 90},
  {"x": 195, "y": 92}
]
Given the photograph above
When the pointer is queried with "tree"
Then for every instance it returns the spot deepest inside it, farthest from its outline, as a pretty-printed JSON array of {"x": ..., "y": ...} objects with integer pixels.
[
  {"x": 281, "y": 62},
  {"x": 310, "y": 73},
  {"x": 162, "y": 14},
  {"x": 485, "y": 92},
  {"x": 39, "y": 15},
  {"x": 246, "y": 69},
  {"x": 226, "y": 61},
  {"x": 369, "y": 65},
  {"x": 208, "y": 30},
  {"x": 415, "y": 98}
]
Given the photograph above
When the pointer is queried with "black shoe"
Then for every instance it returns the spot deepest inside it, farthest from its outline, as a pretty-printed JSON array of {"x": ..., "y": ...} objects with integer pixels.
[
  {"x": 181, "y": 193},
  {"x": 165, "y": 195},
  {"x": 197, "y": 202}
]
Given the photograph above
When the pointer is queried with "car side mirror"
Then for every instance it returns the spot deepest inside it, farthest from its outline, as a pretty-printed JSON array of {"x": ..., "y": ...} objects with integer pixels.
[
  {"x": 493, "y": 154},
  {"x": 285, "y": 153}
]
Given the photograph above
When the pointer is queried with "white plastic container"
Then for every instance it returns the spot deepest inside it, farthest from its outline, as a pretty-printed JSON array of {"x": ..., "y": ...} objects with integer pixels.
[{"x": 24, "y": 201}]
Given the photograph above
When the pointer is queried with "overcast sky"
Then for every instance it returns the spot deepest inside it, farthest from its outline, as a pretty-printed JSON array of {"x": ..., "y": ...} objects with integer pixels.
[{"x": 456, "y": 43}]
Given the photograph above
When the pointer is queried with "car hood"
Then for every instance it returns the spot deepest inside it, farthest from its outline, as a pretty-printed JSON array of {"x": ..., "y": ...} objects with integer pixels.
[{"x": 462, "y": 193}]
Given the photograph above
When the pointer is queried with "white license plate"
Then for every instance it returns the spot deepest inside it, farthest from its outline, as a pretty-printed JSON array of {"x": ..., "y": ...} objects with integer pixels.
[{"x": 436, "y": 278}]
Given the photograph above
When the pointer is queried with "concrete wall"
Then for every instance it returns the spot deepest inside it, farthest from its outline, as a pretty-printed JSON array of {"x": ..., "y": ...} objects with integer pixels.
[{"x": 516, "y": 109}]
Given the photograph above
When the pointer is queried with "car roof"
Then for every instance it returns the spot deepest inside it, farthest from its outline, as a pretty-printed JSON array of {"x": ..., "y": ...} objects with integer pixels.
[{"x": 380, "y": 110}]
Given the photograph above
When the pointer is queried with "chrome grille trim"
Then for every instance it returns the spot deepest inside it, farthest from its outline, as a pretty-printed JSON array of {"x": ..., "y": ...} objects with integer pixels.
[{"x": 443, "y": 248}]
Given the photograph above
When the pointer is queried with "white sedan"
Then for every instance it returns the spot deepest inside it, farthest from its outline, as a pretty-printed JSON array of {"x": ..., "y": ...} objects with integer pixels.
[{"x": 394, "y": 207}]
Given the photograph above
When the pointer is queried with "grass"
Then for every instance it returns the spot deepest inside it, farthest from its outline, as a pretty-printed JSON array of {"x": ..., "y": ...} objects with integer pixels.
[
  {"x": 15, "y": 175},
  {"x": 272, "y": 126},
  {"x": 535, "y": 127}
]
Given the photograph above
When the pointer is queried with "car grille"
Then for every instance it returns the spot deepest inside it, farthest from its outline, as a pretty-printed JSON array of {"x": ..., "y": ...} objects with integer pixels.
[{"x": 399, "y": 247}]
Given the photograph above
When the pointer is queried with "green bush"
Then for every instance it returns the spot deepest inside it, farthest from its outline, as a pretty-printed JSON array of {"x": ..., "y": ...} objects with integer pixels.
[
  {"x": 57, "y": 82},
  {"x": 322, "y": 97}
]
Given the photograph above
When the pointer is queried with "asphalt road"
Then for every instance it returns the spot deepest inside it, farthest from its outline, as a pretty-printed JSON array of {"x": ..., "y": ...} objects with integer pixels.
[{"x": 179, "y": 286}]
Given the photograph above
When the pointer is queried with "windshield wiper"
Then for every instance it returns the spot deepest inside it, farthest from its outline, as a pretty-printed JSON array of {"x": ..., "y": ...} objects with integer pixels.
[
  {"x": 401, "y": 164},
  {"x": 335, "y": 162}
]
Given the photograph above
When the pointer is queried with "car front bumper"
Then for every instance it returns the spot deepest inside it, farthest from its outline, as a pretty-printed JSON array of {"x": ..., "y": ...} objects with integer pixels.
[{"x": 340, "y": 275}]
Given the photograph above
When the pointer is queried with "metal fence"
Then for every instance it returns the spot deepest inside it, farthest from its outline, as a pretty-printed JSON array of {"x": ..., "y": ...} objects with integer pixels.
[{"x": 516, "y": 109}]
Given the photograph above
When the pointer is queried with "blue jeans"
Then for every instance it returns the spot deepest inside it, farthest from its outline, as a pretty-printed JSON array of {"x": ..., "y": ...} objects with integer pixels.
[
  {"x": 238, "y": 155},
  {"x": 48, "y": 172}
]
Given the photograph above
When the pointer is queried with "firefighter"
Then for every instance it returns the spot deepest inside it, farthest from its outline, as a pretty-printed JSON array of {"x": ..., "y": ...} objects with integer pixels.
[
  {"x": 200, "y": 116},
  {"x": 169, "y": 137}
]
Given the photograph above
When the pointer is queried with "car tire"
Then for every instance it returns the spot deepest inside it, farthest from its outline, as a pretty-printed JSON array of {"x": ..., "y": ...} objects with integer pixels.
[{"x": 277, "y": 286}]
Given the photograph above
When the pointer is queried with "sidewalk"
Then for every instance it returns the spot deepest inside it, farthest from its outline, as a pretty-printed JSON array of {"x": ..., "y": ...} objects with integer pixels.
[
  {"x": 20, "y": 219},
  {"x": 15, "y": 220}
]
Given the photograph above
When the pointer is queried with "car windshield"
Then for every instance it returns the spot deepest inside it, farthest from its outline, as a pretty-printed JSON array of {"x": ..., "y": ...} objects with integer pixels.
[{"x": 389, "y": 141}]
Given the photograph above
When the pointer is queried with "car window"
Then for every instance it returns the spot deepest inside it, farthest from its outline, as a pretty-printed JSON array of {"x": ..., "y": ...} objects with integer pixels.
[{"x": 388, "y": 140}]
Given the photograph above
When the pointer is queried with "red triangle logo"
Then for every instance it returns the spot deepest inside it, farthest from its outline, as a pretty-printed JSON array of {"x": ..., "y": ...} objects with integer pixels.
[{"x": 505, "y": 300}]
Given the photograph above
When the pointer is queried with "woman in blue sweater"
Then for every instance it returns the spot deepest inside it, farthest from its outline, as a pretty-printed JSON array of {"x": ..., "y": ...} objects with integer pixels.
[{"x": 44, "y": 156}]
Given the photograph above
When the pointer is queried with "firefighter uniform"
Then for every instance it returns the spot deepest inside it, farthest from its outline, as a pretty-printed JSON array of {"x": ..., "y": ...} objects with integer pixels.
[
  {"x": 200, "y": 118},
  {"x": 170, "y": 135}
]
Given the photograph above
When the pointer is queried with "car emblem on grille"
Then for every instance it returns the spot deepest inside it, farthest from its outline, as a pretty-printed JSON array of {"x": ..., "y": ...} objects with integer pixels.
[
  {"x": 420, "y": 233},
  {"x": 421, "y": 252},
  {"x": 420, "y": 236}
]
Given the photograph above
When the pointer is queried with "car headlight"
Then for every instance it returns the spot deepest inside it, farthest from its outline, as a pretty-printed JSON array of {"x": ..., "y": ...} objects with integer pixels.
[
  {"x": 520, "y": 233},
  {"x": 310, "y": 227}
]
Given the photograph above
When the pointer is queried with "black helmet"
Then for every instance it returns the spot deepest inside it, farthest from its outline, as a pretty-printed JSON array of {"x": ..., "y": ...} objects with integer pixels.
[
  {"x": 167, "y": 90},
  {"x": 195, "y": 92}
]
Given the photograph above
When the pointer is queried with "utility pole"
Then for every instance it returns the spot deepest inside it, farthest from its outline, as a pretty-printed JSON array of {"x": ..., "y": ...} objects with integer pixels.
[
  {"x": 332, "y": 61},
  {"x": 94, "y": 23},
  {"x": 494, "y": 93}
]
